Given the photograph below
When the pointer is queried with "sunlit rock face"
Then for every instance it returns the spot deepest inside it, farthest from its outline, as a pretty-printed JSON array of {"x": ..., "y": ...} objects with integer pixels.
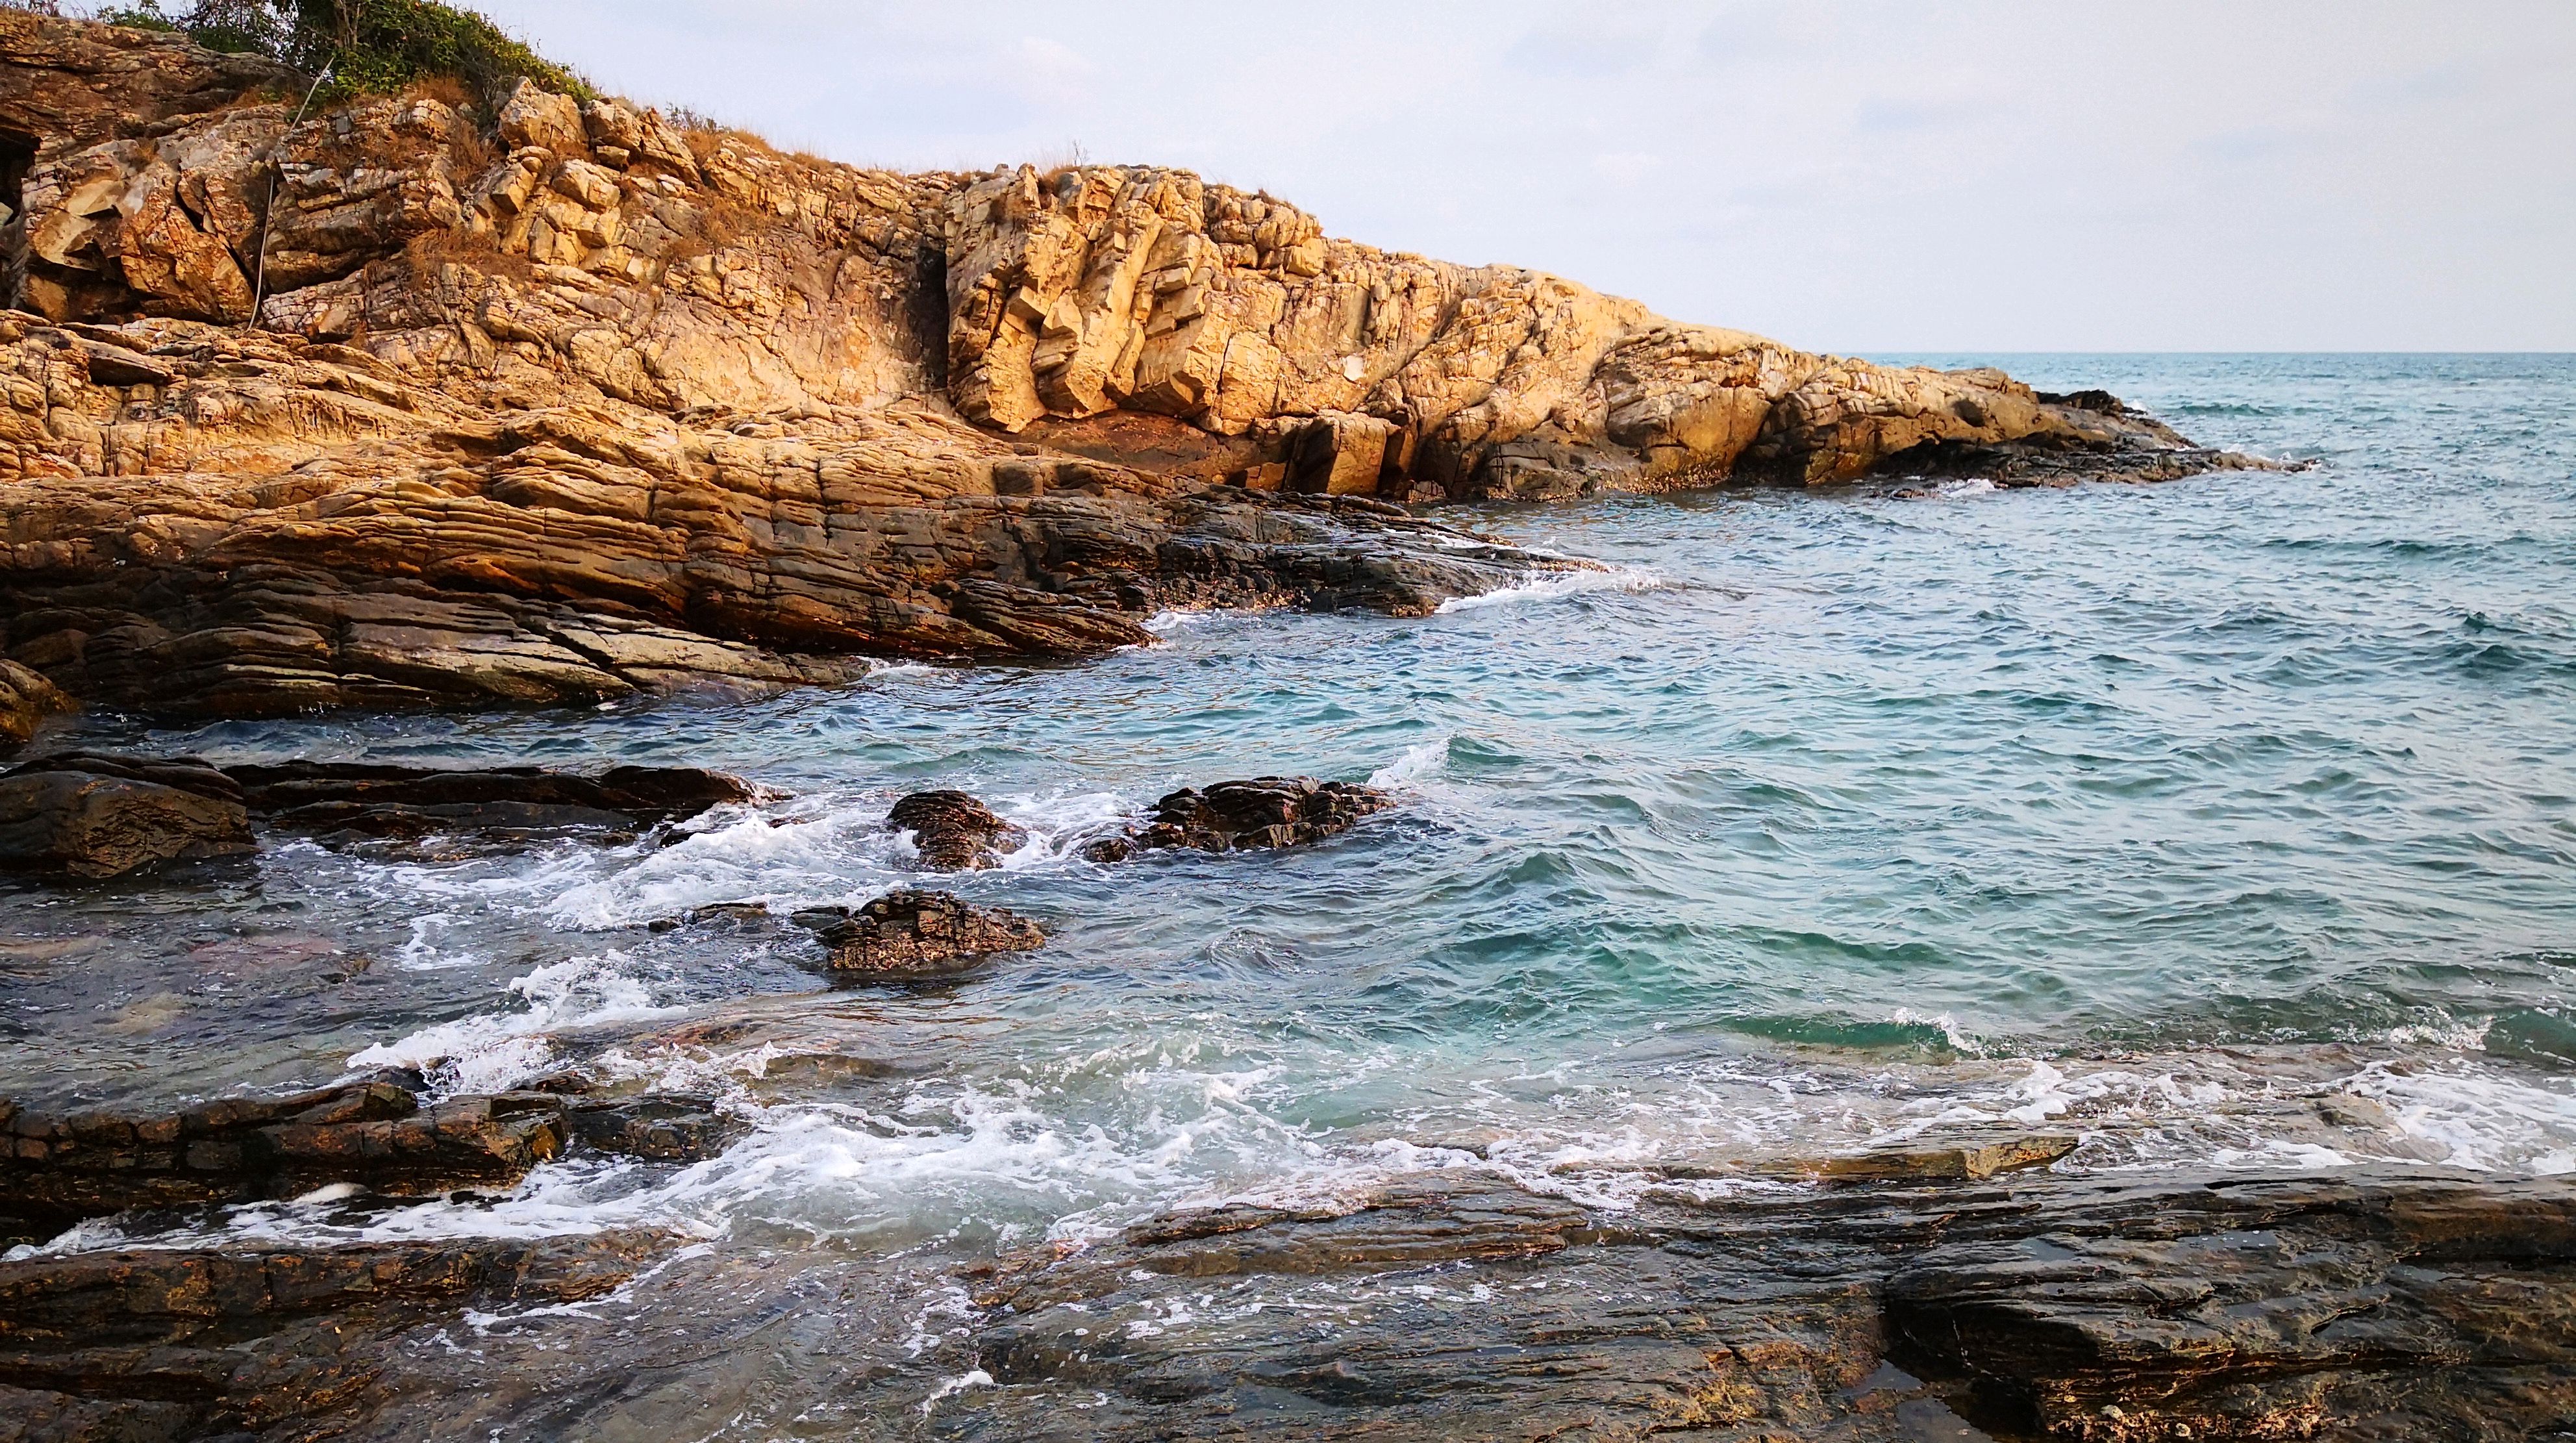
[{"x": 440, "y": 399}]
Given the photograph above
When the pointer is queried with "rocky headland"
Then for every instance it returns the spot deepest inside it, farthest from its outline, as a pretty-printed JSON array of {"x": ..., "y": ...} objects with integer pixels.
[
  {"x": 495, "y": 395},
  {"x": 452, "y": 399}
]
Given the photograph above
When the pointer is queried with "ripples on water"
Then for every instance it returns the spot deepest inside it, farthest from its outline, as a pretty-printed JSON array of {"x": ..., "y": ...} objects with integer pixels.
[{"x": 2160, "y": 813}]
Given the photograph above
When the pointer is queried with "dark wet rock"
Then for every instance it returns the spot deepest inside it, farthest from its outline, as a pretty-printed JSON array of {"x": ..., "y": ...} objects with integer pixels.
[
  {"x": 172, "y": 1344},
  {"x": 101, "y": 817},
  {"x": 374, "y": 1133},
  {"x": 1262, "y": 812},
  {"x": 1938, "y": 1158},
  {"x": 26, "y": 699},
  {"x": 96, "y": 815},
  {"x": 2108, "y": 1310},
  {"x": 391, "y": 801},
  {"x": 912, "y": 936},
  {"x": 953, "y": 831},
  {"x": 659, "y": 1127}
]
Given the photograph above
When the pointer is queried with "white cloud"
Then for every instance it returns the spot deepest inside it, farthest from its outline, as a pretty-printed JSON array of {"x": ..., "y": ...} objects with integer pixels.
[{"x": 1850, "y": 174}]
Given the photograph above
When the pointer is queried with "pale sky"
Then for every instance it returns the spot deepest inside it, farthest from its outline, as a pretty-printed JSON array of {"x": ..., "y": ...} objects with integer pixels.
[{"x": 1852, "y": 175}]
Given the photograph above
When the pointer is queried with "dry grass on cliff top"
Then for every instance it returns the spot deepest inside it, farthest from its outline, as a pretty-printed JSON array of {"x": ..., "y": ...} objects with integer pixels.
[{"x": 370, "y": 47}]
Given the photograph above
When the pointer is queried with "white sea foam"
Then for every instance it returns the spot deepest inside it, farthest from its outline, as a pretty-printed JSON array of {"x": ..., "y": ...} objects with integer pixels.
[
  {"x": 2478, "y": 1116},
  {"x": 1972, "y": 486},
  {"x": 1419, "y": 763},
  {"x": 814, "y": 850},
  {"x": 423, "y": 954},
  {"x": 1059, "y": 824},
  {"x": 1948, "y": 1025},
  {"x": 492, "y": 1051},
  {"x": 1554, "y": 585}
]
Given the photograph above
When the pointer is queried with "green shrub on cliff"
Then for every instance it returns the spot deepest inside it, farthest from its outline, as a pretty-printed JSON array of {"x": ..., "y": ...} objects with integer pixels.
[{"x": 370, "y": 46}]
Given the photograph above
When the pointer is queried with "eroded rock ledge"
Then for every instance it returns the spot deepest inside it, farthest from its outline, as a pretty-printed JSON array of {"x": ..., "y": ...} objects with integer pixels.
[{"x": 550, "y": 403}]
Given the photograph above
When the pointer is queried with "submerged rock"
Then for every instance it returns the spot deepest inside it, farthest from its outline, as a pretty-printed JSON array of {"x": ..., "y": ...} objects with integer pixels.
[
  {"x": 953, "y": 831},
  {"x": 103, "y": 817},
  {"x": 1262, "y": 812},
  {"x": 910, "y": 936}
]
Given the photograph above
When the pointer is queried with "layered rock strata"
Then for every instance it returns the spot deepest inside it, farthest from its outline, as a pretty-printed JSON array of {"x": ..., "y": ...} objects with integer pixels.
[
  {"x": 2106, "y": 1310},
  {"x": 89, "y": 815},
  {"x": 103, "y": 817},
  {"x": 548, "y": 403},
  {"x": 255, "y": 1341},
  {"x": 376, "y": 1134}
]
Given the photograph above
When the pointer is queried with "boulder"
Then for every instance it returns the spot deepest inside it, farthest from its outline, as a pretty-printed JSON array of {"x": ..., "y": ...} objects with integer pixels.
[
  {"x": 952, "y": 831},
  {"x": 26, "y": 699},
  {"x": 90, "y": 817},
  {"x": 910, "y": 936},
  {"x": 534, "y": 116},
  {"x": 1262, "y": 812}
]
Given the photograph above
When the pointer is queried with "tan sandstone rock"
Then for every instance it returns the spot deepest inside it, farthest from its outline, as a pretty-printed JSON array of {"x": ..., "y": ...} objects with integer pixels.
[{"x": 553, "y": 403}]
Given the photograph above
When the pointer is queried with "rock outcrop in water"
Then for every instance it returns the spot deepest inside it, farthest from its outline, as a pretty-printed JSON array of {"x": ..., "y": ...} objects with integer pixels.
[
  {"x": 912, "y": 936},
  {"x": 1260, "y": 813},
  {"x": 553, "y": 403},
  {"x": 101, "y": 816},
  {"x": 952, "y": 831}
]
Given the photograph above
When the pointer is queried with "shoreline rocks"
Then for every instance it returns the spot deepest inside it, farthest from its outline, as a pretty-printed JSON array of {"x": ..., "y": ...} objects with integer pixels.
[
  {"x": 95, "y": 818},
  {"x": 26, "y": 699},
  {"x": 92, "y": 816},
  {"x": 166, "y": 1344},
  {"x": 2104, "y": 1309},
  {"x": 376, "y": 1134}
]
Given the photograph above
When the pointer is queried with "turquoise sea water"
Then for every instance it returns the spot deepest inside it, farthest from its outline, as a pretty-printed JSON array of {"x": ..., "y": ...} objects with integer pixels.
[{"x": 2151, "y": 813}]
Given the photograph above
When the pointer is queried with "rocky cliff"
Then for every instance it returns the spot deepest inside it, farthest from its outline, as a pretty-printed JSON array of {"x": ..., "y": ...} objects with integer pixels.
[{"x": 455, "y": 398}]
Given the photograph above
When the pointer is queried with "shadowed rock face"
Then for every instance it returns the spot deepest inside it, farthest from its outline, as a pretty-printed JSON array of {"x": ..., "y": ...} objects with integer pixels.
[
  {"x": 551, "y": 403},
  {"x": 100, "y": 816},
  {"x": 97, "y": 817}
]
